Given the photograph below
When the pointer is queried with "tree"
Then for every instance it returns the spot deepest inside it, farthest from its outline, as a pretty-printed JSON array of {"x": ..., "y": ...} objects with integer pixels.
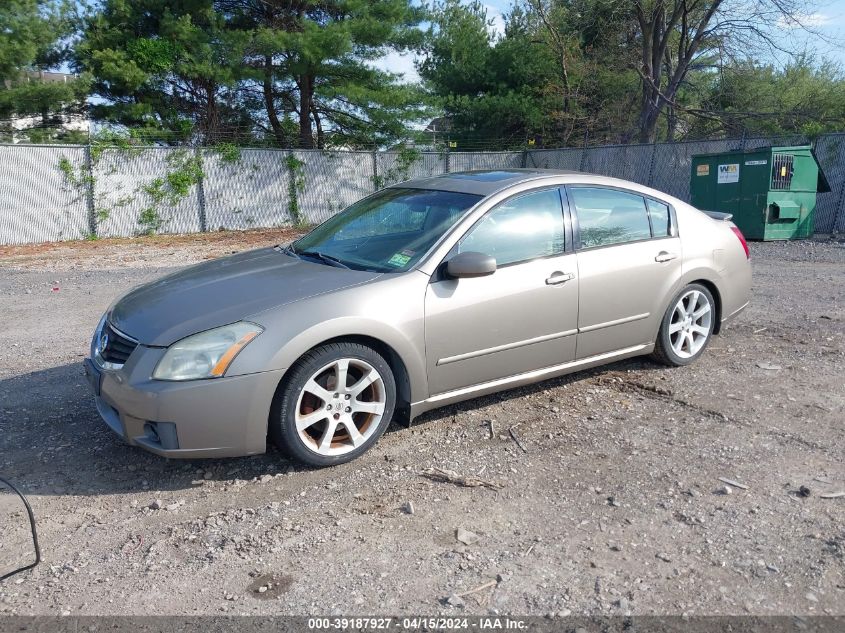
[
  {"x": 804, "y": 98},
  {"x": 31, "y": 36},
  {"x": 313, "y": 61},
  {"x": 249, "y": 70},
  {"x": 169, "y": 68},
  {"x": 607, "y": 69},
  {"x": 590, "y": 42},
  {"x": 497, "y": 90},
  {"x": 677, "y": 37}
]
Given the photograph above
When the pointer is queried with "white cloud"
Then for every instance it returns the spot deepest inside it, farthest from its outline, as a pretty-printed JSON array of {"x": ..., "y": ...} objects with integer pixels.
[{"x": 800, "y": 20}]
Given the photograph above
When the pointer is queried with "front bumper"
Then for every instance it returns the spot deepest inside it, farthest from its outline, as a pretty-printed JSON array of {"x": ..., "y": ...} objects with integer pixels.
[{"x": 219, "y": 417}]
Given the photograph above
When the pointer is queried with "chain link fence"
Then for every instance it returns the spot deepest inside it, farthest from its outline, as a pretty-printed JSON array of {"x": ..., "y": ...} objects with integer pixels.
[
  {"x": 35, "y": 203},
  {"x": 51, "y": 192}
]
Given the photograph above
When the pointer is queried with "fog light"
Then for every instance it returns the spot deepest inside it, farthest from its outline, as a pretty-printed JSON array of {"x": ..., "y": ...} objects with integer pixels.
[{"x": 162, "y": 434}]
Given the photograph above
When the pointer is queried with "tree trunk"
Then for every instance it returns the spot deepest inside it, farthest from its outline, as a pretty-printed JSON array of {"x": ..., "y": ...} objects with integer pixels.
[
  {"x": 566, "y": 87},
  {"x": 270, "y": 103},
  {"x": 321, "y": 139},
  {"x": 658, "y": 26},
  {"x": 212, "y": 116},
  {"x": 671, "y": 124},
  {"x": 650, "y": 108},
  {"x": 306, "y": 91}
]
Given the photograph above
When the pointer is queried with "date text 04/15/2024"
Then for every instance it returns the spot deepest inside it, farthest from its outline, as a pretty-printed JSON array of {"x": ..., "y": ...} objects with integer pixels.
[{"x": 419, "y": 623}]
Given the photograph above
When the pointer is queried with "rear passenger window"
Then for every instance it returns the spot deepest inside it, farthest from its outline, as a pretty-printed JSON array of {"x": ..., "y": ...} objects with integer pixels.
[
  {"x": 609, "y": 216},
  {"x": 661, "y": 225}
]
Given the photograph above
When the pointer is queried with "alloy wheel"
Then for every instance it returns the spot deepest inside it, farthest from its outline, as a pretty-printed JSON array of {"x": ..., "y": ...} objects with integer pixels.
[
  {"x": 689, "y": 327},
  {"x": 340, "y": 407}
]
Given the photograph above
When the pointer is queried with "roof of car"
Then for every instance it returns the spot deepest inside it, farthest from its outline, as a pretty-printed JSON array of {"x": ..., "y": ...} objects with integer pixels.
[{"x": 482, "y": 182}]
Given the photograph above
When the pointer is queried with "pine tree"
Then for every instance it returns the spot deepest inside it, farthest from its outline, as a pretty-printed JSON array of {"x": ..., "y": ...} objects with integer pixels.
[
  {"x": 167, "y": 69},
  {"x": 313, "y": 63}
]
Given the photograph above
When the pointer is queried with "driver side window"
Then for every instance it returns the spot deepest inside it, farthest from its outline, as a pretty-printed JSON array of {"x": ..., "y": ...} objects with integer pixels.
[{"x": 520, "y": 229}]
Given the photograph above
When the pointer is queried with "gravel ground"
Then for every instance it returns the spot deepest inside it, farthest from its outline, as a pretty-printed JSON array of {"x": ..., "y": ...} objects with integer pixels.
[{"x": 607, "y": 502}]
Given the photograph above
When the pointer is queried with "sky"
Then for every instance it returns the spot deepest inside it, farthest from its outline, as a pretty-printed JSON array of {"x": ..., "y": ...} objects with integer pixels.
[{"x": 828, "y": 18}]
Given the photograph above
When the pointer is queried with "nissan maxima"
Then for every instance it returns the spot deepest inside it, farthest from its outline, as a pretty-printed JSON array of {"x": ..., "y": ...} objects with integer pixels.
[{"x": 423, "y": 294}]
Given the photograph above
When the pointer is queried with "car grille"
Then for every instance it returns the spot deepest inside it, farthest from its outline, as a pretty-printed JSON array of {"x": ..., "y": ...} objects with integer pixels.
[{"x": 118, "y": 348}]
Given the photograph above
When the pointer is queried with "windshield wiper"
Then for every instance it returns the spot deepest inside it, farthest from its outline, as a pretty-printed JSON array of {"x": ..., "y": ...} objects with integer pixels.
[{"x": 333, "y": 261}]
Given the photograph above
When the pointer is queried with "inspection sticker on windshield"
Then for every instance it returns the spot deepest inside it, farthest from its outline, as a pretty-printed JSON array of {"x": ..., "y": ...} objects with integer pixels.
[{"x": 400, "y": 259}]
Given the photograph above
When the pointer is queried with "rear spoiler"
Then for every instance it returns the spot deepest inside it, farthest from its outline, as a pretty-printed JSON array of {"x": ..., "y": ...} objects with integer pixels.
[{"x": 718, "y": 215}]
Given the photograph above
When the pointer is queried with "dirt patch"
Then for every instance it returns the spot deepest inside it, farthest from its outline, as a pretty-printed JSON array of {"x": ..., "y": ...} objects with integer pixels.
[{"x": 139, "y": 252}]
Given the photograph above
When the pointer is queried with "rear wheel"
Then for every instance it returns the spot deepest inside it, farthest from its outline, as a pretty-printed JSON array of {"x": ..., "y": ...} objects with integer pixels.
[
  {"x": 336, "y": 402},
  {"x": 687, "y": 326}
]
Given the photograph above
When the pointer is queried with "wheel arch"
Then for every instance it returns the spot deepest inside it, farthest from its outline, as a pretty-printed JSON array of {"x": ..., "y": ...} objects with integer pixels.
[
  {"x": 397, "y": 365},
  {"x": 697, "y": 278},
  {"x": 717, "y": 299}
]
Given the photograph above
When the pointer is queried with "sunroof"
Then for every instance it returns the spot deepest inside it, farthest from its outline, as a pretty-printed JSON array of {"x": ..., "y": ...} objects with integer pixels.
[{"x": 488, "y": 176}]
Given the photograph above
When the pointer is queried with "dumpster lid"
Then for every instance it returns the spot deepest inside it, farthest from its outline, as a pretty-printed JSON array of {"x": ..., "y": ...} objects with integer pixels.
[{"x": 822, "y": 184}]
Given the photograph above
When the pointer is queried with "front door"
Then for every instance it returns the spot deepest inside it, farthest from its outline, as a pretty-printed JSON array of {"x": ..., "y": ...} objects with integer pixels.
[{"x": 522, "y": 317}]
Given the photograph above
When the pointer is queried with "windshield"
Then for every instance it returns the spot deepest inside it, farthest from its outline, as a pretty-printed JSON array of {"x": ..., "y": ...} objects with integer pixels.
[{"x": 389, "y": 231}]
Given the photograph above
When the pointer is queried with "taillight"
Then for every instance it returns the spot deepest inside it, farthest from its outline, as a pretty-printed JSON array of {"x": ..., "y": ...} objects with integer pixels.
[{"x": 742, "y": 241}]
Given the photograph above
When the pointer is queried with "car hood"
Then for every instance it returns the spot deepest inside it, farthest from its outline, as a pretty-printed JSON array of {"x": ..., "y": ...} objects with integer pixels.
[{"x": 224, "y": 291}]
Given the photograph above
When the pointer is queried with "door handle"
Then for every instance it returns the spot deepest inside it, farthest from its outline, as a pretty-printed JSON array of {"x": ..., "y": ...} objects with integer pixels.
[
  {"x": 665, "y": 256},
  {"x": 559, "y": 278}
]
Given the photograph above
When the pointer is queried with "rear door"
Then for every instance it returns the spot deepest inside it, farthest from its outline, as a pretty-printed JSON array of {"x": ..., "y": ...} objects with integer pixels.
[{"x": 629, "y": 266}]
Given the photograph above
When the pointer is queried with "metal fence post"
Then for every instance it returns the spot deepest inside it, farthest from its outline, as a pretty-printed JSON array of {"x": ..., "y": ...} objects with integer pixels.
[
  {"x": 293, "y": 200},
  {"x": 525, "y": 158},
  {"x": 375, "y": 171},
  {"x": 651, "y": 163},
  {"x": 838, "y": 215},
  {"x": 583, "y": 162},
  {"x": 447, "y": 166},
  {"x": 201, "y": 193},
  {"x": 89, "y": 192}
]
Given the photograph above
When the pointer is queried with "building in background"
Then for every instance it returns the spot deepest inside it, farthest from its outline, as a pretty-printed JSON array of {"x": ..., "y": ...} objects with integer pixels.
[
  {"x": 438, "y": 129},
  {"x": 71, "y": 122}
]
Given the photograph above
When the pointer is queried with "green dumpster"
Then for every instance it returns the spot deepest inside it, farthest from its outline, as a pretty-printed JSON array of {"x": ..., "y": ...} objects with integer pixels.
[{"x": 771, "y": 191}]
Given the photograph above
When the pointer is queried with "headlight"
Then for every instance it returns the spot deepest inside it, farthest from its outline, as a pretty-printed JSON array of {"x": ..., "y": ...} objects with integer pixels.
[
  {"x": 95, "y": 341},
  {"x": 205, "y": 355}
]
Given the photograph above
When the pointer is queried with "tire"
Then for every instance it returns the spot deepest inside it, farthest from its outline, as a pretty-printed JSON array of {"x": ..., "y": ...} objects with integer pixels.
[
  {"x": 319, "y": 423},
  {"x": 683, "y": 336}
]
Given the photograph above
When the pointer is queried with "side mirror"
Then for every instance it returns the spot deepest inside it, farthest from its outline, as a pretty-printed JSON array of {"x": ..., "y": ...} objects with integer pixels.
[{"x": 470, "y": 264}]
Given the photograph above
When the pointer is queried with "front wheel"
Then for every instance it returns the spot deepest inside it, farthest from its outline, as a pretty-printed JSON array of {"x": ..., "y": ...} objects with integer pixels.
[
  {"x": 336, "y": 402},
  {"x": 687, "y": 326}
]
